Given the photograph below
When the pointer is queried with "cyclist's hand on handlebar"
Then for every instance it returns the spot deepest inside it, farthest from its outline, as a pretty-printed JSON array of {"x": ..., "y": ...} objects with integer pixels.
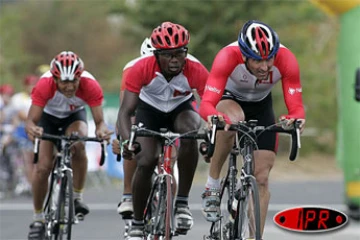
[
  {"x": 104, "y": 133},
  {"x": 288, "y": 122},
  {"x": 223, "y": 120},
  {"x": 34, "y": 132},
  {"x": 115, "y": 146},
  {"x": 127, "y": 153}
]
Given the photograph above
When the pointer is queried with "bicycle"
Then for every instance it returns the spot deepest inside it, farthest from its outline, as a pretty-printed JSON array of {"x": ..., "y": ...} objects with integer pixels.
[
  {"x": 59, "y": 206},
  {"x": 159, "y": 213},
  {"x": 242, "y": 203}
]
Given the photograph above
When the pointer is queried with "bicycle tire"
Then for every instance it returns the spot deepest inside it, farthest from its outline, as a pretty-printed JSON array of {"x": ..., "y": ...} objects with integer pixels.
[
  {"x": 169, "y": 209},
  {"x": 151, "y": 214},
  {"x": 65, "y": 211},
  {"x": 50, "y": 210},
  {"x": 248, "y": 219}
]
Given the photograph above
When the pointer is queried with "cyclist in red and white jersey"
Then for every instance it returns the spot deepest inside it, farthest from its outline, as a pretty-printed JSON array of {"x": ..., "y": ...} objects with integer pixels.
[
  {"x": 125, "y": 207},
  {"x": 58, "y": 107},
  {"x": 239, "y": 88},
  {"x": 159, "y": 87}
]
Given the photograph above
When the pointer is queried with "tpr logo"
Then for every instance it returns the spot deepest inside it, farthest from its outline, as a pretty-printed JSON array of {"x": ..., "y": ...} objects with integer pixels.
[{"x": 310, "y": 219}]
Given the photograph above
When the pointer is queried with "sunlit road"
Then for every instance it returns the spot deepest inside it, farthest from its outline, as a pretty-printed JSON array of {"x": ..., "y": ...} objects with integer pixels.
[{"x": 104, "y": 223}]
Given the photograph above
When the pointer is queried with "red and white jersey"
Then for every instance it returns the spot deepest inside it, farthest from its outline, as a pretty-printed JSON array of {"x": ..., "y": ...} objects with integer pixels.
[
  {"x": 229, "y": 72},
  {"x": 46, "y": 95},
  {"x": 145, "y": 79},
  {"x": 129, "y": 65}
]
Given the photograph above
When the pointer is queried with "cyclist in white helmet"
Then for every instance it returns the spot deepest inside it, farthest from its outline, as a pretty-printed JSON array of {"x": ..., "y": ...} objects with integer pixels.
[
  {"x": 58, "y": 107},
  {"x": 125, "y": 205},
  {"x": 146, "y": 47}
]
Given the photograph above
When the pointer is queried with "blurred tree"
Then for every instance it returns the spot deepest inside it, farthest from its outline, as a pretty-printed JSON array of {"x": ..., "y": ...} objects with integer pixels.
[
  {"x": 107, "y": 34},
  {"x": 42, "y": 29}
]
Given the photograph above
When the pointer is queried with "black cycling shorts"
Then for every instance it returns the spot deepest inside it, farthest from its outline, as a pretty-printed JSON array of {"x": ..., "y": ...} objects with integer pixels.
[
  {"x": 155, "y": 119},
  {"x": 58, "y": 126},
  {"x": 264, "y": 113}
]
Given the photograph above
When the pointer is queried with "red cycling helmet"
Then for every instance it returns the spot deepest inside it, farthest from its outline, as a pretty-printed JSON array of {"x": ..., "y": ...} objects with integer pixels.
[
  {"x": 30, "y": 80},
  {"x": 169, "y": 36},
  {"x": 66, "y": 66},
  {"x": 6, "y": 89}
]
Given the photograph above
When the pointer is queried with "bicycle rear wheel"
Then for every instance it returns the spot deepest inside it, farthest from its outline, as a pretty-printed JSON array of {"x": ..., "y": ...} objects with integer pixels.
[
  {"x": 65, "y": 209},
  {"x": 248, "y": 220}
]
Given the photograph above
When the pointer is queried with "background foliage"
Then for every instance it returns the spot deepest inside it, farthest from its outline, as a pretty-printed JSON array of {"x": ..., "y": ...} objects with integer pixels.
[{"x": 107, "y": 34}]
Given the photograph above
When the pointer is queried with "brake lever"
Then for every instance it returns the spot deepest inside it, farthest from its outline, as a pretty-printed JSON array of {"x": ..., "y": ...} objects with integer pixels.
[{"x": 297, "y": 129}]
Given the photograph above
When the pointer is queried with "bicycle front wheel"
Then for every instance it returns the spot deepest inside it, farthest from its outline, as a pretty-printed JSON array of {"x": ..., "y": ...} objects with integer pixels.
[
  {"x": 248, "y": 220},
  {"x": 65, "y": 210}
]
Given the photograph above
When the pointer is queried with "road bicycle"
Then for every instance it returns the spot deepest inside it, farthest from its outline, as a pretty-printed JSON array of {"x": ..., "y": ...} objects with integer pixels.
[
  {"x": 59, "y": 204},
  {"x": 240, "y": 217},
  {"x": 159, "y": 211}
]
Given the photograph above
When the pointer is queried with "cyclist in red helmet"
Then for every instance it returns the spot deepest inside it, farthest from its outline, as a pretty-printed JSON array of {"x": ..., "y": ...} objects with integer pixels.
[
  {"x": 58, "y": 107},
  {"x": 239, "y": 88},
  {"x": 125, "y": 207},
  {"x": 159, "y": 87}
]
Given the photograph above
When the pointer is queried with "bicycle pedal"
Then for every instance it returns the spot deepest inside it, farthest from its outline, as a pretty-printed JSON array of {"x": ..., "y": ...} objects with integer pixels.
[
  {"x": 76, "y": 220},
  {"x": 80, "y": 217},
  {"x": 181, "y": 232}
]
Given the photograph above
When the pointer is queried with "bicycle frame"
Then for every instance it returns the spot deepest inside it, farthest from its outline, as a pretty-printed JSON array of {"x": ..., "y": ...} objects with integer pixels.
[
  {"x": 247, "y": 187},
  {"x": 59, "y": 206},
  {"x": 159, "y": 214}
]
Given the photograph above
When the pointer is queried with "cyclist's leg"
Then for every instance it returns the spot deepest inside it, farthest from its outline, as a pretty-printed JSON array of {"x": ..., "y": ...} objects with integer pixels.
[
  {"x": 224, "y": 143},
  {"x": 141, "y": 184},
  {"x": 265, "y": 156},
  {"x": 77, "y": 123},
  {"x": 40, "y": 176},
  {"x": 185, "y": 121},
  {"x": 125, "y": 207},
  {"x": 146, "y": 161}
]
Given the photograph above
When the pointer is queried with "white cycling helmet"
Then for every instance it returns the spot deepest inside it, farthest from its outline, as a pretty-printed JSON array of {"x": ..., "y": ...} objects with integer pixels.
[
  {"x": 146, "y": 47},
  {"x": 66, "y": 66}
]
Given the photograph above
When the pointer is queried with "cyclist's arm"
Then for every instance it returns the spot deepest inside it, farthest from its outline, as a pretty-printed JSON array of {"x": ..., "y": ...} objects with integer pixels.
[
  {"x": 102, "y": 130},
  {"x": 215, "y": 85},
  {"x": 291, "y": 86},
  {"x": 32, "y": 120},
  {"x": 128, "y": 107}
]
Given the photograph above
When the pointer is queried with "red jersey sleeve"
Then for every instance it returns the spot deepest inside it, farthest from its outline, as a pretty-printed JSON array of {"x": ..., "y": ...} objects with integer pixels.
[
  {"x": 43, "y": 91},
  {"x": 197, "y": 75},
  {"x": 90, "y": 91},
  {"x": 224, "y": 63},
  {"x": 291, "y": 83},
  {"x": 123, "y": 82},
  {"x": 135, "y": 76}
]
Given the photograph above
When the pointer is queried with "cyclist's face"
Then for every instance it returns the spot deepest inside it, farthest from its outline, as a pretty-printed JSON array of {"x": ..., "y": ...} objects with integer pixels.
[
  {"x": 172, "y": 61},
  {"x": 68, "y": 88},
  {"x": 260, "y": 68}
]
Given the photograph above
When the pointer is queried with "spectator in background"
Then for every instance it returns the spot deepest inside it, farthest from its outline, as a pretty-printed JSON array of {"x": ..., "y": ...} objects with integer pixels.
[{"x": 21, "y": 103}]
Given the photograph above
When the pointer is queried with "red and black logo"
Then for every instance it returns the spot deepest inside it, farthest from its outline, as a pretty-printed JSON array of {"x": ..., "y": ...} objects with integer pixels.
[{"x": 310, "y": 219}]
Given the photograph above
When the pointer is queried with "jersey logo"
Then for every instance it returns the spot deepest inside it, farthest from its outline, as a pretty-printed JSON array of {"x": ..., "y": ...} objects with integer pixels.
[
  {"x": 269, "y": 80},
  {"x": 178, "y": 93},
  {"x": 212, "y": 89},
  {"x": 73, "y": 107},
  {"x": 292, "y": 91}
]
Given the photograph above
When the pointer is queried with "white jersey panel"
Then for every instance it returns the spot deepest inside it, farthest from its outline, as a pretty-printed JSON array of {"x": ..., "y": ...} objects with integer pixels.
[{"x": 166, "y": 96}]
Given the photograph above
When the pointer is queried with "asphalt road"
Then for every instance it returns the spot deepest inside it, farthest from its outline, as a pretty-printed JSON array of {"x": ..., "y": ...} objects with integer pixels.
[{"x": 104, "y": 223}]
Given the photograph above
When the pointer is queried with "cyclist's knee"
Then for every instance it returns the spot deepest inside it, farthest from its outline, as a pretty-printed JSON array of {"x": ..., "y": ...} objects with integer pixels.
[
  {"x": 146, "y": 165},
  {"x": 78, "y": 150},
  {"x": 262, "y": 179},
  {"x": 42, "y": 171}
]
